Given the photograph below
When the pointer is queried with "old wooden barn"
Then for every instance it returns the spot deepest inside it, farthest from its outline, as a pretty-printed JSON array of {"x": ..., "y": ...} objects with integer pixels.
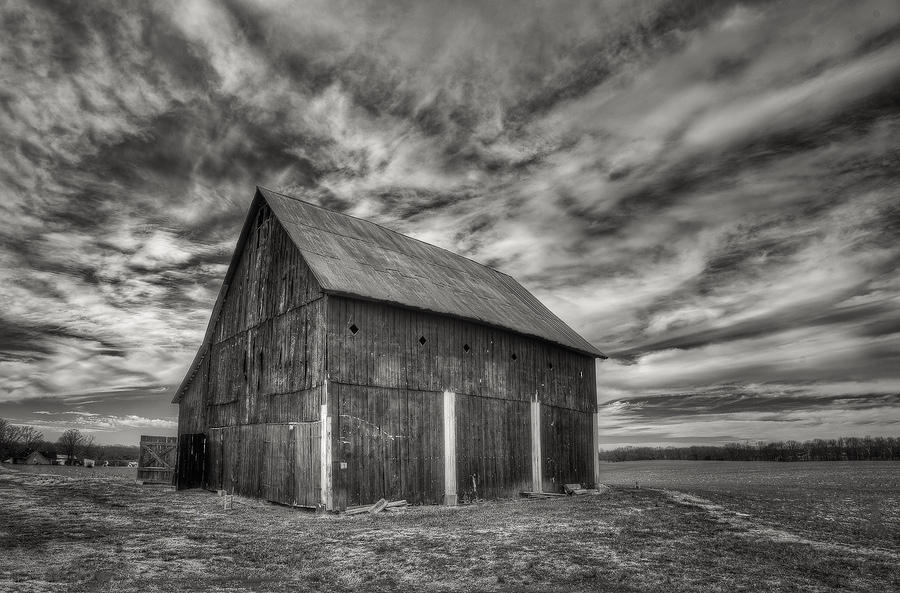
[{"x": 345, "y": 362}]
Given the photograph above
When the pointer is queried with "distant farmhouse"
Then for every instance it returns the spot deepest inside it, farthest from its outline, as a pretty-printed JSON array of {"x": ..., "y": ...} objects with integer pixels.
[
  {"x": 37, "y": 458},
  {"x": 345, "y": 362}
]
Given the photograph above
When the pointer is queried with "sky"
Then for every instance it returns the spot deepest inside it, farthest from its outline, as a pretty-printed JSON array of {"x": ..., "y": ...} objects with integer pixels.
[{"x": 709, "y": 191}]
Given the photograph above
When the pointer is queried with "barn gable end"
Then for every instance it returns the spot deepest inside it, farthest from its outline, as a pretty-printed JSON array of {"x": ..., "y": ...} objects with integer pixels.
[
  {"x": 257, "y": 384},
  {"x": 331, "y": 360}
]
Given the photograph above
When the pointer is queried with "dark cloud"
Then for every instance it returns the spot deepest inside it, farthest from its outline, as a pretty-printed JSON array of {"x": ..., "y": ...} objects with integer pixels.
[{"x": 734, "y": 399}]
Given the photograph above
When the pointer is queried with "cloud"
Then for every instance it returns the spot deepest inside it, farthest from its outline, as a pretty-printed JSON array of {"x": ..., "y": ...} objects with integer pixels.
[
  {"x": 729, "y": 412},
  {"x": 55, "y": 423}
]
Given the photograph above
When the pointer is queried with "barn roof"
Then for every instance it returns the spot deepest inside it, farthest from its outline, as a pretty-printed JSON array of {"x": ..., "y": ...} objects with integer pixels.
[{"x": 353, "y": 257}]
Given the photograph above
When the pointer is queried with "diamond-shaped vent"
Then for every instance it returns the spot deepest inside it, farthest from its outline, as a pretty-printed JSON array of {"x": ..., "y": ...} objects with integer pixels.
[
  {"x": 466, "y": 348},
  {"x": 422, "y": 340},
  {"x": 550, "y": 366},
  {"x": 354, "y": 329},
  {"x": 514, "y": 357}
]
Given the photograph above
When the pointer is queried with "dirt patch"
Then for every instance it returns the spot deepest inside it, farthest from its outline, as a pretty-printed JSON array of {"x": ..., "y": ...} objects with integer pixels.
[{"x": 751, "y": 527}]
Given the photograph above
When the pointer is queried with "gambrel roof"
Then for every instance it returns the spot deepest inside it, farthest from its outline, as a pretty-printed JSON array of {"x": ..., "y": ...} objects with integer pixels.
[{"x": 353, "y": 257}]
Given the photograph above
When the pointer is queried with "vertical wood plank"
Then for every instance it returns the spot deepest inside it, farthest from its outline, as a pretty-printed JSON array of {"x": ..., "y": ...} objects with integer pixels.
[
  {"x": 536, "y": 477},
  {"x": 595, "y": 447},
  {"x": 325, "y": 459},
  {"x": 450, "y": 448},
  {"x": 337, "y": 468}
]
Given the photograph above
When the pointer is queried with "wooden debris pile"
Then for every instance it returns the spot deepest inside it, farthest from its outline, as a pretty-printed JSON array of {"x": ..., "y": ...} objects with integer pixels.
[
  {"x": 394, "y": 506},
  {"x": 542, "y": 495},
  {"x": 577, "y": 490},
  {"x": 570, "y": 490}
]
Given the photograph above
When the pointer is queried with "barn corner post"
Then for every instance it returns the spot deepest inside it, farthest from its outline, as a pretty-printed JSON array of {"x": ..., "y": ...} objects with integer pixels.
[
  {"x": 450, "y": 494},
  {"x": 595, "y": 444},
  {"x": 327, "y": 501}
]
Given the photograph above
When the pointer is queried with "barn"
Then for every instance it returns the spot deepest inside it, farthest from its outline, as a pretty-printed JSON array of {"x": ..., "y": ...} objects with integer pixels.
[{"x": 345, "y": 362}]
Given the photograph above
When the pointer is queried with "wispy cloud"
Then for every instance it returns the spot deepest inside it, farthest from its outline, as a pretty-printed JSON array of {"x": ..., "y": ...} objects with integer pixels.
[{"x": 54, "y": 423}]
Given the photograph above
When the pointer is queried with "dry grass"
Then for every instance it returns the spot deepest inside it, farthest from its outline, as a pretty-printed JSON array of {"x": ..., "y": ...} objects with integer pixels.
[
  {"x": 101, "y": 532},
  {"x": 855, "y": 503}
]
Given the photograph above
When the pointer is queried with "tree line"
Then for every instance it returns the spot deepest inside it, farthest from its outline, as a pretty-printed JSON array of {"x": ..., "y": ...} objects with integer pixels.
[
  {"x": 19, "y": 441},
  {"x": 840, "y": 449}
]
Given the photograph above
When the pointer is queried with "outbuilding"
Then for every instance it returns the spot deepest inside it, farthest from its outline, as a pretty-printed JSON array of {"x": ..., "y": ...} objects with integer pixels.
[
  {"x": 345, "y": 362},
  {"x": 37, "y": 458}
]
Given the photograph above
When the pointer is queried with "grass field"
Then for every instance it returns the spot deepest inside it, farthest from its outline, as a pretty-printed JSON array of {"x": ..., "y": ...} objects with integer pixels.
[
  {"x": 704, "y": 527},
  {"x": 852, "y": 502}
]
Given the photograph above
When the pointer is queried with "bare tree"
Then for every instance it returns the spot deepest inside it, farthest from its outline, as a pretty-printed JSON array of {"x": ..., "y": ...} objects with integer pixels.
[
  {"x": 5, "y": 439},
  {"x": 30, "y": 437},
  {"x": 89, "y": 447},
  {"x": 71, "y": 442},
  {"x": 16, "y": 439}
]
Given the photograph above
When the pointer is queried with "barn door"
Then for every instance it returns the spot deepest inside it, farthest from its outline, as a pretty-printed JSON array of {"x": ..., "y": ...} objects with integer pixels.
[
  {"x": 307, "y": 463},
  {"x": 156, "y": 464},
  {"x": 566, "y": 442},
  {"x": 191, "y": 461},
  {"x": 277, "y": 462},
  {"x": 291, "y": 464}
]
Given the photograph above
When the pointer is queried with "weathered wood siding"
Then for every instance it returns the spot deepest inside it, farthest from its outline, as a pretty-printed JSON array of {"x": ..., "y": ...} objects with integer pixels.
[
  {"x": 565, "y": 447},
  {"x": 493, "y": 447},
  {"x": 192, "y": 407},
  {"x": 391, "y": 441},
  {"x": 278, "y": 462},
  {"x": 263, "y": 374},
  {"x": 266, "y": 359},
  {"x": 386, "y": 383},
  {"x": 386, "y": 352},
  {"x": 157, "y": 459},
  {"x": 271, "y": 278}
]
